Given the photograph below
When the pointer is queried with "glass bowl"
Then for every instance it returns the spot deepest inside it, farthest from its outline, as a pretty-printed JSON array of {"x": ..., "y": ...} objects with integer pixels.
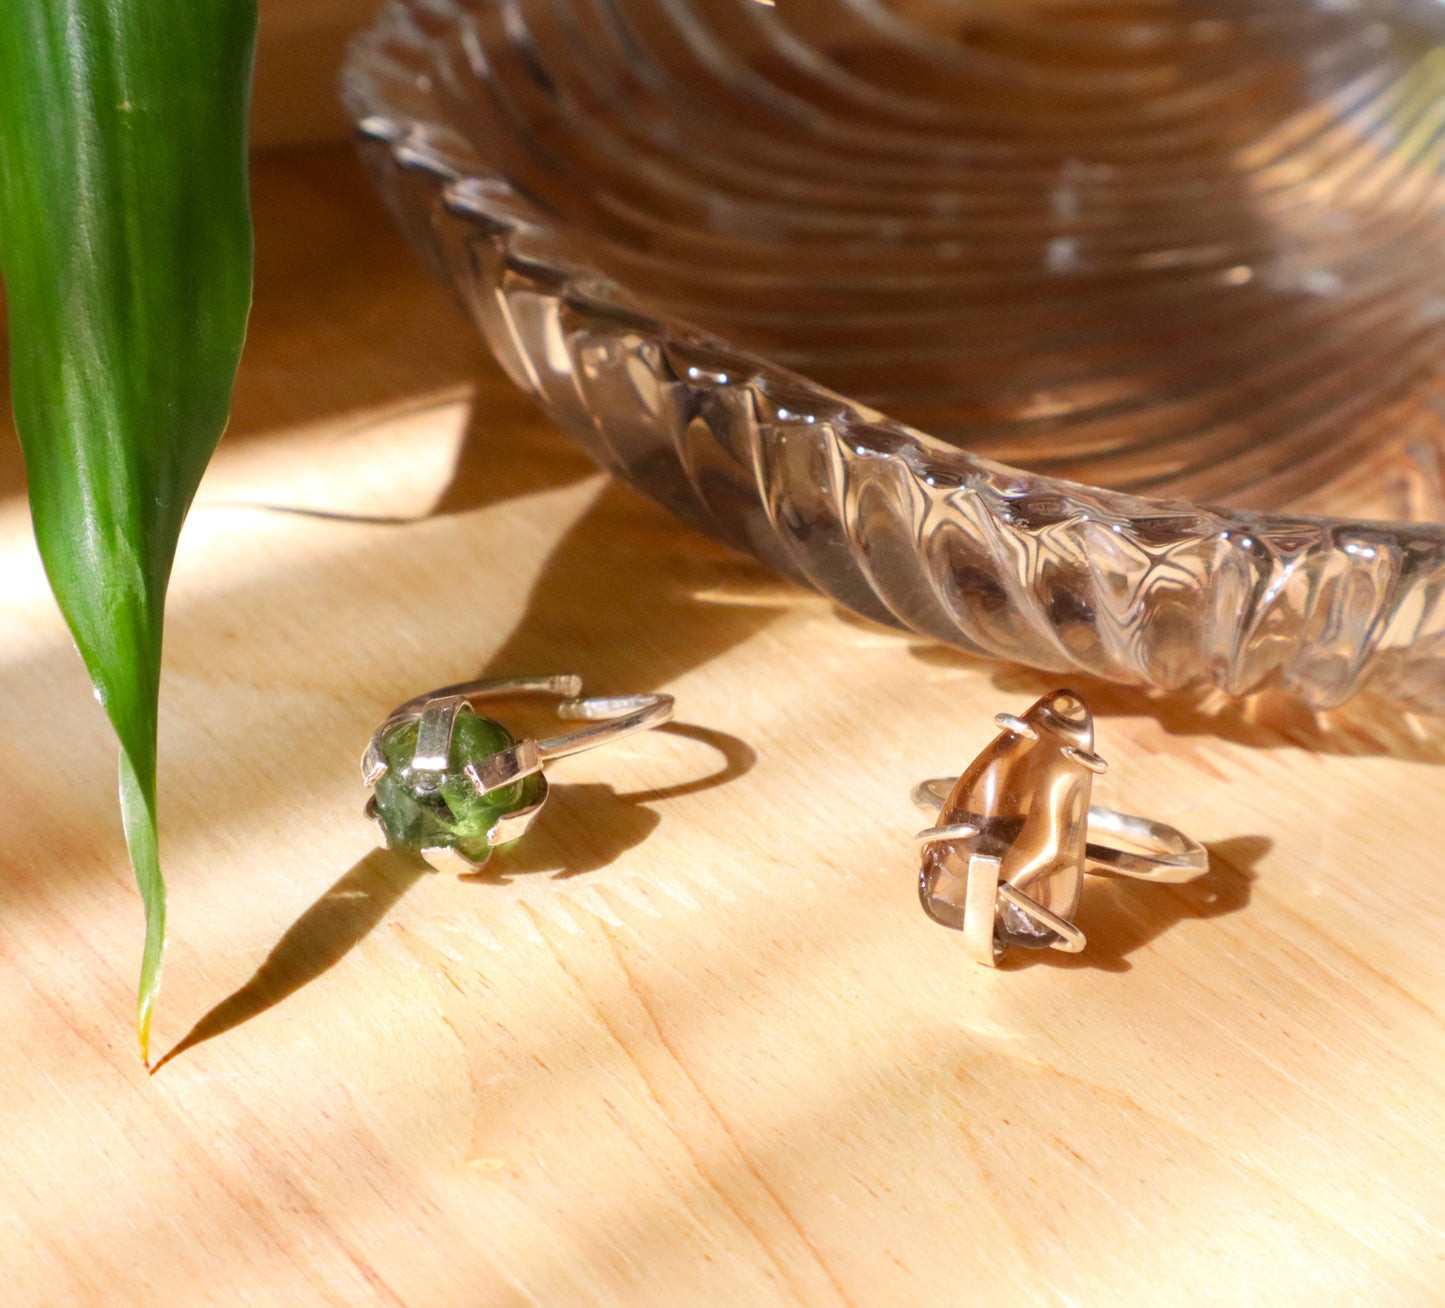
[{"x": 1101, "y": 337}]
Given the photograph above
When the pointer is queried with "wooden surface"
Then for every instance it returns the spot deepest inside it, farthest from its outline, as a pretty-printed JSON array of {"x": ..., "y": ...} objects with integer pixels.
[
  {"x": 693, "y": 1041},
  {"x": 299, "y": 48}
]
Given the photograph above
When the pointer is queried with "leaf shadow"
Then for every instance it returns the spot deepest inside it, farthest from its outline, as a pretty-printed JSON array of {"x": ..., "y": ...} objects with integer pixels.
[{"x": 319, "y": 939}]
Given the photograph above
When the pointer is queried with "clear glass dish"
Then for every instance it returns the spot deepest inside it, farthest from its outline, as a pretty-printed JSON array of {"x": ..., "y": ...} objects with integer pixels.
[{"x": 1152, "y": 296}]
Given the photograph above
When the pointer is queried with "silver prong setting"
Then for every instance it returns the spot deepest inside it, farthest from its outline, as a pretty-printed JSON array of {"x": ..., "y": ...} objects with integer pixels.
[
  {"x": 504, "y": 767},
  {"x": 936, "y": 835},
  {"x": 1070, "y": 939},
  {"x": 1015, "y": 724},
  {"x": 514, "y": 825},
  {"x": 1085, "y": 759},
  {"x": 373, "y": 765},
  {"x": 434, "y": 734},
  {"x": 980, "y": 910}
]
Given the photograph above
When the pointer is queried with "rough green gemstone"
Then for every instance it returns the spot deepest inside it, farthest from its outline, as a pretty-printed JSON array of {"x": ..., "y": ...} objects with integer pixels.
[{"x": 420, "y": 814}]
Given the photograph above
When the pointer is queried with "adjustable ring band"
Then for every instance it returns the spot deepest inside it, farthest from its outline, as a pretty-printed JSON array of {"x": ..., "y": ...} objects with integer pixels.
[
  {"x": 614, "y": 716},
  {"x": 1159, "y": 852},
  {"x": 458, "y": 782},
  {"x": 1155, "y": 852}
]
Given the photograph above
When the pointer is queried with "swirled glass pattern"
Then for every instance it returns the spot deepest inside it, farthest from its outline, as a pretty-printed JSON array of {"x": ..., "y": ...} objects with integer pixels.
[{"x": 1104, "y": 337}]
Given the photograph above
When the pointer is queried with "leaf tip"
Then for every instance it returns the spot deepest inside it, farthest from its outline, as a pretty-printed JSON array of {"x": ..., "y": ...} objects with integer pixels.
[{"x": 143, "y": 1028}]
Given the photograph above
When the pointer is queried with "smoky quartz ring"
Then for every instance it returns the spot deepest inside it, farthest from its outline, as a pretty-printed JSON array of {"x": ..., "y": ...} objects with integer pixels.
[{"x": 1005, "y": 861}]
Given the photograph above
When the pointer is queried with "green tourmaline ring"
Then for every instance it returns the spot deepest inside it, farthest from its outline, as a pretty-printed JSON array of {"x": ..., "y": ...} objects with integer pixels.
[{"x": 446, "y": 781}]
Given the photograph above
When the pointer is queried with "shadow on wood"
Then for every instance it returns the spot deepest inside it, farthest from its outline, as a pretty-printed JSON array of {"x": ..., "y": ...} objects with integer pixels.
[
  {"x": 1119, "y": 915},
  {"x": 586, "y": 827},
  {"x": 319, "y": 939},
  {"x": 583, "y": 828},
  {"x": 1362, "y": 727}
]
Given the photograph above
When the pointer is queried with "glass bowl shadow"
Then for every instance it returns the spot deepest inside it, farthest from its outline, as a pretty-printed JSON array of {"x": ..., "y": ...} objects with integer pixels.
[{"x": 1103, "y": 339}]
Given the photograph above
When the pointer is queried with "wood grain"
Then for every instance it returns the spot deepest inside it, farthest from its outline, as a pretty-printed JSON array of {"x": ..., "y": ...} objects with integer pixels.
[{"x": 693, "y": 1041}]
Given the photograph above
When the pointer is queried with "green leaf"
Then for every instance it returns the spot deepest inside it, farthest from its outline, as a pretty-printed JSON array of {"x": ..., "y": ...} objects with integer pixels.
[{"x": 125, "y": 244}]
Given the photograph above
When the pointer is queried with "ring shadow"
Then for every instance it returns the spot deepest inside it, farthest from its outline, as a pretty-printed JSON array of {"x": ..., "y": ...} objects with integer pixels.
[
  {"x": 590, "y": 825},
  {"x": 1119, "y": 915}
]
